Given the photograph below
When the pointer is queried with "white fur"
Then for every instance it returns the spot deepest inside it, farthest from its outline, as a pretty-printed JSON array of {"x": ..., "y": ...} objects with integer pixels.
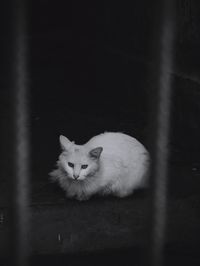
[{"x": 122, "y": 167}]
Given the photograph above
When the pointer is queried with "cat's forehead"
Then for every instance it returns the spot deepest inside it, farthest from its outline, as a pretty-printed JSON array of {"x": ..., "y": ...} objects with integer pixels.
[
  {"x": 78, "y": 150},
  {"x": 77, "y": 153}
]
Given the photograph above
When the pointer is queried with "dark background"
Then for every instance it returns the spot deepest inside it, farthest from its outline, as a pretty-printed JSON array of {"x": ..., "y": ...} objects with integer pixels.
[{"x": 93, "y": 67}]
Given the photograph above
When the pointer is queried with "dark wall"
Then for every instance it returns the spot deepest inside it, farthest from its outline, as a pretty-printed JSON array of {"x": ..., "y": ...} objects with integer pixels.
[{"x": 80, "y": 58}]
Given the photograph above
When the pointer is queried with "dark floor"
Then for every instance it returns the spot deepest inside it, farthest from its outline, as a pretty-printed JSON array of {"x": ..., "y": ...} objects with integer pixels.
[{"x": 105, "y": 230}]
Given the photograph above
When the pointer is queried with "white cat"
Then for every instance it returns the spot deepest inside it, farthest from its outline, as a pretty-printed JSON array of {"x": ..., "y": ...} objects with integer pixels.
[{"x": 110, "y": 163}]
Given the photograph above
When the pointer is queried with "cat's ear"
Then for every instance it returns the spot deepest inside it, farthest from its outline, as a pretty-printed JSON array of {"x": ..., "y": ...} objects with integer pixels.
[
  {"x": 95, "y": 153},
  {"x": 65, "y": 142}
]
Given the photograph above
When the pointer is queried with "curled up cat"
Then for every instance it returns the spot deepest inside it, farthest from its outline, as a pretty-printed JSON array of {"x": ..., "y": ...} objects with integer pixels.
[{"x": 108, "y": 164}]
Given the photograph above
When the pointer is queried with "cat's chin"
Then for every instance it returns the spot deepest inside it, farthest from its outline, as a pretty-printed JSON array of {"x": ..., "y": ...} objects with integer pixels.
[{"x": 77, "y": 180}]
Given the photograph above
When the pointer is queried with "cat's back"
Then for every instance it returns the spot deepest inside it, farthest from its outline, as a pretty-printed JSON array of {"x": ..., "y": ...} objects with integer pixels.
[
  {"x": 116, "y": 143},
  {"x": 124, "y": 159}
]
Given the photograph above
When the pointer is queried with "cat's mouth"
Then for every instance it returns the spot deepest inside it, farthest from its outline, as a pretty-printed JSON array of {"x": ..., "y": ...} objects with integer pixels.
[{"x": 78, "y": 179}]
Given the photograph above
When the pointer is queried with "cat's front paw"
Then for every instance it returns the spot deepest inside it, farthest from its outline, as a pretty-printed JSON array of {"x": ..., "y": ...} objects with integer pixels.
[{"x": 82, "y": 197}]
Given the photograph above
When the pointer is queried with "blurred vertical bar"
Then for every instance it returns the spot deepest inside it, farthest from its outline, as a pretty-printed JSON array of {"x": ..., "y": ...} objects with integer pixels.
[
  {"x": 21, "y": 176},
  {"x": 160, "y": 151}
]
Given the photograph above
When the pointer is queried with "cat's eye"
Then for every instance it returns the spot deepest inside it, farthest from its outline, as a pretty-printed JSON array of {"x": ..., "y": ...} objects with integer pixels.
[
  {"x": 71, "y": 164},
  {"x": 84, "y": 166}
]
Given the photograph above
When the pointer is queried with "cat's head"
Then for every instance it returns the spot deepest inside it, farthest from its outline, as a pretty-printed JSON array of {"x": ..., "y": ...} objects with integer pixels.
[{"x": 79, "y": 161}]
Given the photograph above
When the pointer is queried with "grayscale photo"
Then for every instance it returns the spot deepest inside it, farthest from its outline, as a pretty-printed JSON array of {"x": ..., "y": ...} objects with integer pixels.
[{"x": 100, "y": 133}]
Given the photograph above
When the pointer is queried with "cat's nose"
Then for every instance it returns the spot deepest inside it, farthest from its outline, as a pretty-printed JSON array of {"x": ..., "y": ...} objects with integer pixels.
[{"x": 76, "y": 176}]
